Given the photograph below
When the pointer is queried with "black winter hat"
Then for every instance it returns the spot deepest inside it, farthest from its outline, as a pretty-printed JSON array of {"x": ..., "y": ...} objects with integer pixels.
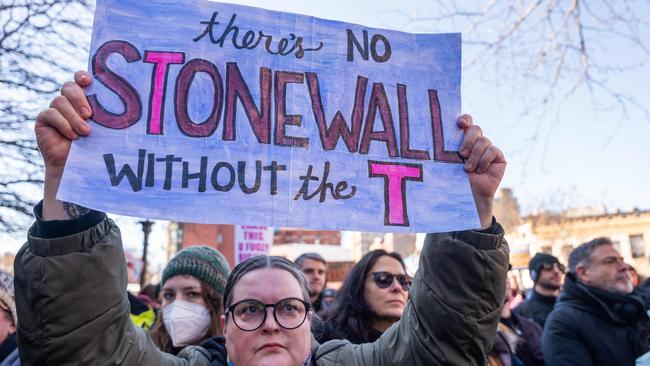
[{"x": 538, "y": 260}]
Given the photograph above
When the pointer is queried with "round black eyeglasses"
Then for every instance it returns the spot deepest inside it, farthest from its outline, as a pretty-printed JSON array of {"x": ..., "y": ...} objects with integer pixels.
[{"x": 250, "y": 314}]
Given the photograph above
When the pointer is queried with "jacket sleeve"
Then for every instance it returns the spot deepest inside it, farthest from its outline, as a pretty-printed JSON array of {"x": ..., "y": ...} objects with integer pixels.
[
  {"x": 72, "y": 303},
  {"x": 561, "y": 342},
  {"x": 530, "y": 351},
  {"x": 453, "y": 312}
]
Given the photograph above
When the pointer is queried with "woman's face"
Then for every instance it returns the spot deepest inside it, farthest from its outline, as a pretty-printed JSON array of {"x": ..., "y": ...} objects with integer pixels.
[
  {"x": 182, "y": 287},
  {"x": 386, "y": 303},
  {"x": 269, "y": 344}
]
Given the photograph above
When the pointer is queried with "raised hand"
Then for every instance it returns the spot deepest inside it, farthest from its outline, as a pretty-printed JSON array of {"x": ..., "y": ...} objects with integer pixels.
[
  {"x": 63, "y": 122},
  {"x": 485, "y": 165},
  {"x": 55, "y": 128}
]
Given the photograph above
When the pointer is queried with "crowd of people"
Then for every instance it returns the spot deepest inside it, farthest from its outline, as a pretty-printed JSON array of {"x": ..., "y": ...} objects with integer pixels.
[
  {"x": 70, "y": 305},
  {"x": 591, "y": 314}
]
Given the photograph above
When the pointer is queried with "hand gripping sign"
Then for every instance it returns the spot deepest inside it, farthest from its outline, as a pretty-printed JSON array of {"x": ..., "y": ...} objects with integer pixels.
[{"x": 217, "y": 113}]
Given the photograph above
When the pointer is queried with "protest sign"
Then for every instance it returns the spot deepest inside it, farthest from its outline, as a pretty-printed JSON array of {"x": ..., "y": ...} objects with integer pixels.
[
  {"x": 216, "y": 113},
  {"x": 251, "y": 241}
]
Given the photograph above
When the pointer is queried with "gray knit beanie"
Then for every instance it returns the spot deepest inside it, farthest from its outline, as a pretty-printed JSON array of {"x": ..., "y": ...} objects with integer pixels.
[{"x": 203, "y": 262}]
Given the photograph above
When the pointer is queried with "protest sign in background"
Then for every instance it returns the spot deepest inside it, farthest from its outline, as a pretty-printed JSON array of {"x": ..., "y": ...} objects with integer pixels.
[
  {"x": 216, "y": 113},
  {"x": 251, "y": 241}
]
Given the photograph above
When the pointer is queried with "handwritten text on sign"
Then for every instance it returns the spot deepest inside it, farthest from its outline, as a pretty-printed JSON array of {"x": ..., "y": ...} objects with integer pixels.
[
  {"x": 251, "y": 241},
  {"x": 217, "y": 113}
]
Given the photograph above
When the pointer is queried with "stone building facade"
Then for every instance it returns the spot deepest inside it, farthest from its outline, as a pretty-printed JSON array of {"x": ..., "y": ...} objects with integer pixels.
[{"x": 560, "y": 233}]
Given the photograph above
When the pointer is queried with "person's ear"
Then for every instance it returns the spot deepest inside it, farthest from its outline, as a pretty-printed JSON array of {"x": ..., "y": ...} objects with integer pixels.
[
  {"x": 222, "y": 319},
  {"x": 582, "y": 273}
]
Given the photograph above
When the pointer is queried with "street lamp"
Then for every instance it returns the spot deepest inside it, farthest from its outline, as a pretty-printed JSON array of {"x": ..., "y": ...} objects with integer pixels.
[{"x": 146, "y": 229}]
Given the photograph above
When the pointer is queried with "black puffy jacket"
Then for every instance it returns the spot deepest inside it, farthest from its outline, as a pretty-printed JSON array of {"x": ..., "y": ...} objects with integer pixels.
[
  {"x": 536, "y": 308},
  {"x": 589, "y": 326}
]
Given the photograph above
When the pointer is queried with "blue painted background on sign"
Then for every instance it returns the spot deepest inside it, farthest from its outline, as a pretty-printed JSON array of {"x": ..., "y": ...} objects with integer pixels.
[{"x": 440, "y": 200}]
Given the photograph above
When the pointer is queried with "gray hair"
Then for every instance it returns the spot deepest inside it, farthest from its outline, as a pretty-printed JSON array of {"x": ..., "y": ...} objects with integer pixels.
[
  {"x": 582, "y": 253},
  {"x": 261, "y": 262},
  {"x": 312, "y": 256}
]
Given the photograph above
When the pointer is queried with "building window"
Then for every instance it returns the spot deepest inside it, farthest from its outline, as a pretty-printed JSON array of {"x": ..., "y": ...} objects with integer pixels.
[
  {"x": 178, "y": 238},
  {"x": 637, "y": 245}
]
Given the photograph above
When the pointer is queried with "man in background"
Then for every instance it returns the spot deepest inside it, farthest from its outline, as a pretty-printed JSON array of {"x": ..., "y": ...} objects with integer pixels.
[
  {"x": 644, "y": 287},
  {"x": 547, "y": 272},
  {"x": 598, "y": 320},
  {"x": 314, "y": 266}
]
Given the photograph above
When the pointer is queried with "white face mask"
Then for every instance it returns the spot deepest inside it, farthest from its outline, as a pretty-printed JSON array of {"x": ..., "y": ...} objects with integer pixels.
[{"x": 185, "y": 322}]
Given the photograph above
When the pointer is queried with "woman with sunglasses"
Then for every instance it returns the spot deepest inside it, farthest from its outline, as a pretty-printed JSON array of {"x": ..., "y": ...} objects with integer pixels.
[
  {"x": 75, "y": 255},
  {"x": 370, "y": 300}
]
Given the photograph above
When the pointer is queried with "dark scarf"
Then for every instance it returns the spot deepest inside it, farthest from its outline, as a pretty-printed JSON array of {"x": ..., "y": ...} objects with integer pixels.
[
  {"x": 624, "y": 308},
  {"x": 630, "y": 309}
]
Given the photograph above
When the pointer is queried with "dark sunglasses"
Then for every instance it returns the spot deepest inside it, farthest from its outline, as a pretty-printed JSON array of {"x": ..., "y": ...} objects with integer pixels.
[
  {"x": 549, "y": 267},
  {"x": 385, "y": 280}
]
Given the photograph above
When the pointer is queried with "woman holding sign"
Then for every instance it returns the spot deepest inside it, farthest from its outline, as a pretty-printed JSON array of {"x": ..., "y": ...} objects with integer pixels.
[{"x": 74, "y": 255}]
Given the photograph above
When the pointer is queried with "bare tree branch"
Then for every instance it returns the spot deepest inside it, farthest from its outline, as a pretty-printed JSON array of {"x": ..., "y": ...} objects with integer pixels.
[
  {"x": 545, "y": 52},
  {"x": 41, "y": 43}
]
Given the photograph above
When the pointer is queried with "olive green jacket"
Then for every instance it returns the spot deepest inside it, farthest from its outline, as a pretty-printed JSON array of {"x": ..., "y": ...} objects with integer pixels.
[
  {"x": 73, "y": 309},
  {"x": 453, "y": 310}
]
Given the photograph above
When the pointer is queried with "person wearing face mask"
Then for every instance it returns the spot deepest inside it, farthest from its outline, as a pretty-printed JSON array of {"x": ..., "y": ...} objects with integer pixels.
[
  {"x": 192, "y": 295},
  {"x": 370, "y": 300},
  {"x": 74, "y": 253}
]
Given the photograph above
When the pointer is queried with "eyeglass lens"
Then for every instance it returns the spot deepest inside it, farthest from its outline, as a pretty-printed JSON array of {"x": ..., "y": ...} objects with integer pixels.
[
  {"x": 251, "y": 314},
  {"x": 385, "y": 280}
]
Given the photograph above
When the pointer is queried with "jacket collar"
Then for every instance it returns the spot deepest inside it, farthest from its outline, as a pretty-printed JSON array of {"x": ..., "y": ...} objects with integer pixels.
[{"x": 548, "y": 300}]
